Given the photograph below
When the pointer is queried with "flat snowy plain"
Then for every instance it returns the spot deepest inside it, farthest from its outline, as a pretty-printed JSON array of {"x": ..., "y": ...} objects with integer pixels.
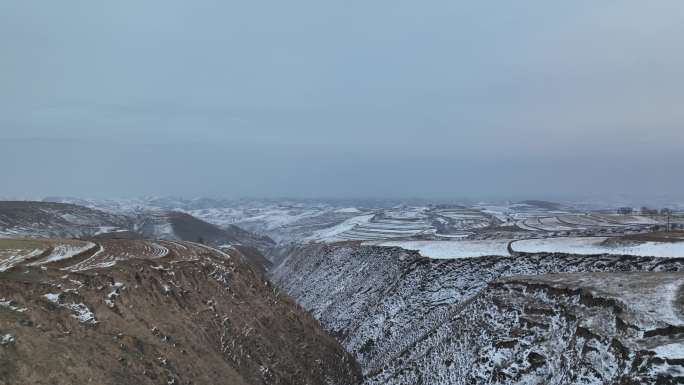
[
  {"x": 454, "y": 249},
  {"x": 593, "y": 245},
  {"x": 581, "y": 246}
]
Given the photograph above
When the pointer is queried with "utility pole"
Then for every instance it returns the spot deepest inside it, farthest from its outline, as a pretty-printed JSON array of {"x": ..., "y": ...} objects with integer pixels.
[{"x": 668, "y": 220}]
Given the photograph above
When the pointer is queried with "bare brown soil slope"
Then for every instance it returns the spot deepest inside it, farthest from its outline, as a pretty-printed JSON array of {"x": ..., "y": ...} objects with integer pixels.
[{"x": 138, "y": 315}]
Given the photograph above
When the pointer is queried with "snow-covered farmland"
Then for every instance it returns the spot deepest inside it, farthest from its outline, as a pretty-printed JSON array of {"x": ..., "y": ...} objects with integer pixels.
[
  {"x": 112, "y": 251},
  {"x": 269, "y": 217},
  {"x": 464, "y": 219},
  {"x": 403, "y": 222},
  {"x": 65, "y": 251},
  {"x": 332, "y": 233},
  {"x": 597, "y": 245},
  {"x": 33, "y": 252},
  {"x": 286, "y": 222},
  {"x": 12, "y": 257},
  {"x": 454, "y": 249},
  {"x": 586, "y": 221},
  {"x": 627, "y": 219}
]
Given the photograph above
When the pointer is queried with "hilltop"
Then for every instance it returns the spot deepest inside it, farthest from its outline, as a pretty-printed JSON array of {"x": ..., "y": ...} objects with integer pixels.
[{"x": 144, "y": 312}]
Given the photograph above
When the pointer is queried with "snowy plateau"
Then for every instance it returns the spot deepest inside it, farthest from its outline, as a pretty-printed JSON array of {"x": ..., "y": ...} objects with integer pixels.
[{"x": 345, "y": 292}]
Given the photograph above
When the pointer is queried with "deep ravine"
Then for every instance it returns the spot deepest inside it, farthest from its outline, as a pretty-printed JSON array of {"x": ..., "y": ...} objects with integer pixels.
[{"x": 504, "y": 320}]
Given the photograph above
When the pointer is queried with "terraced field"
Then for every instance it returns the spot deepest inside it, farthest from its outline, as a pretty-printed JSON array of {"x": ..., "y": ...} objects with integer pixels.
[
  {"x": 35, "y": 252},
  {"x": 460, "y": 222},
  {"x": 587, "y": 222},
  {"x": 423, "y": 223},
  {"x": 419, "y": 223},
  {"x": 112, "y": 251},
  {"x": 75, "y": 255},
  {"x": 396, "y": 223}
]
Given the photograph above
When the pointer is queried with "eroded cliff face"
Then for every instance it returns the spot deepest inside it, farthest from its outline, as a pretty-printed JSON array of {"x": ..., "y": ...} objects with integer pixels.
[
  {"x": 507, "y": 320},
  {"x": 188, "y": 315}
]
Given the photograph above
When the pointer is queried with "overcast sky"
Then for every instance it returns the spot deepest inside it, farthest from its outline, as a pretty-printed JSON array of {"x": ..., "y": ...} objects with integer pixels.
[{"x": 341, "y": 99}]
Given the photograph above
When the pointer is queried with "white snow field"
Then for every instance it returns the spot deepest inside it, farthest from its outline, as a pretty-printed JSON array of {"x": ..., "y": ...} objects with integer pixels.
[
  {"x": 454, "y": 249},
  {"x": 593, "y": 245}
]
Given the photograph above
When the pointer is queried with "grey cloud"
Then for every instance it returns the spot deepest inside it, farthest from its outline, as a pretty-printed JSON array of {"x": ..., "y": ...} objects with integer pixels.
[{"x": 354, "y": 98}]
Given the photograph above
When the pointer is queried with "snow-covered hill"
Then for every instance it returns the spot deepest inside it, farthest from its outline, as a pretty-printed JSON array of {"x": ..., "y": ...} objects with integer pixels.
[
  {"x": 42, "y": 219},
  {"x": 174, "y": 225},
  {"x": 413, "y": 320},
  {"x": 287, "y": 221}
]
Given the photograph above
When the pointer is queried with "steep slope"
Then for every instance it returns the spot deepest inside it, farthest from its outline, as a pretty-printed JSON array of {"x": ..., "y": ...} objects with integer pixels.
[
  {"x": 579, "y": 328},
  {"x": 43, "y": 219},
  {"x": 254, "y": 257},
  {"x": 142, "y": 312},
  {"x": 412, "y": 320}
]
